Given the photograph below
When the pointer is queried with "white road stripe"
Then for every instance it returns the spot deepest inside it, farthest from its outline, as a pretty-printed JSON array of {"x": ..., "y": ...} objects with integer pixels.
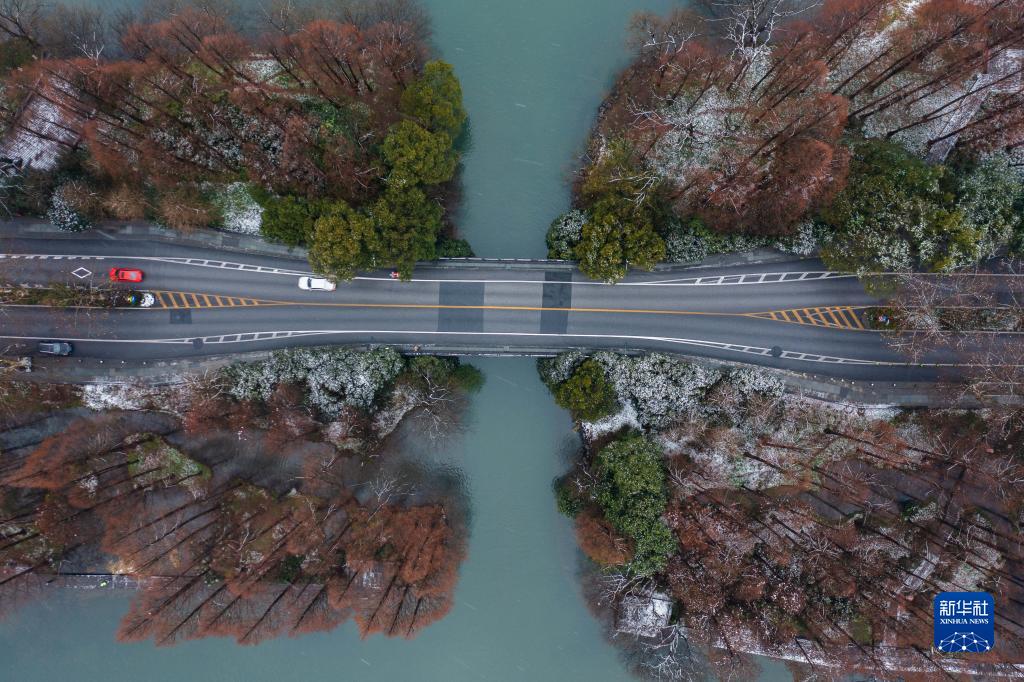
[
  {"x": 709, "y": 280},
  {"x": 717, "y": 345},
  {"x": 717, "y": 280},
  {"x": 195, "y": 262}
]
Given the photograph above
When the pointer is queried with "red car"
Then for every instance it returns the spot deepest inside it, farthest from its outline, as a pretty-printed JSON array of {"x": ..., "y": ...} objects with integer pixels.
[{"x": 125, "y": 275}]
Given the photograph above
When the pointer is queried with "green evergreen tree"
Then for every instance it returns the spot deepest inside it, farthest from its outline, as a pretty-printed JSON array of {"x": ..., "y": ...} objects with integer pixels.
[
  {"x": 407, "y": 223},
  {"x": 896, "y": 214},
  {"x": 435, "y": 100},
  {"x": 588, "y": 393},
  {"x": 344, "y": 241},
  {"x": 289, "y": 219},
  {"x": 616, "y": 235},
  {"x": 632, "y": 493},
  {"x": 624, "y": 208},
  {"x": 417, "y": 156}
]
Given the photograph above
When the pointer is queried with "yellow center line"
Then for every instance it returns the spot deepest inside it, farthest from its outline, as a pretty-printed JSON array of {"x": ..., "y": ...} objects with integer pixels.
[{"x": 775, "y": 315}]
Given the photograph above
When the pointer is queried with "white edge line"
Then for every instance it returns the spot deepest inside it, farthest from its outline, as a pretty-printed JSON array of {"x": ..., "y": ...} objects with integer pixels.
[
  {"x": 717, "y": 345},
  {"x": 265, "y": 270}
]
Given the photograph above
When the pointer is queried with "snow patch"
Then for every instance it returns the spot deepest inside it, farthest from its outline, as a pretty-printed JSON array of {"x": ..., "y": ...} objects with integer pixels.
[
  {"x": 239, "y": 211},
  {"x": 115, "y": 396},
  {"x": 626, "y": 417}
]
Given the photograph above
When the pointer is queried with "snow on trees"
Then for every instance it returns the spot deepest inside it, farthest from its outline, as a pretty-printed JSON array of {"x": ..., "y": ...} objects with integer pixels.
[
  {"x": 643, "y": 615},
  {"x": 899, "y": 214},
  {"x": 739, "y": 120},
  {"x": 660, "y": 389},
  {"x": 169, "y": 124},
  {"x": 244, "y": 523},
  {"x": 564, "y": 234},
  {"x": 746, "y": 141},
  {"x": 797, "y": 518},
  {"x": 63, "y": 212},
  {"x": 334, "y": 377}
]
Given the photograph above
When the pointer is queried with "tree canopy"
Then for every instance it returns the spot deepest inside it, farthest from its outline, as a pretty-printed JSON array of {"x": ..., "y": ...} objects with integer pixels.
[
  {"x": 289, "y": 219},
  {"x": 588, "y": 393},
  {"x": 739, "y": 119},
  {"x": 344, "y": 241},
  {"x": 336, "y": 119},
  {"x": 633, "y": 496},
  {"x": 408, "y": 222},
  {"x": 899, "y": 213},
  {"x": 623, "y": 209},
  {"x": 435, "y": 100},
  {"x": 398, "y": 229},
  {"x": 418, "y": 156}
]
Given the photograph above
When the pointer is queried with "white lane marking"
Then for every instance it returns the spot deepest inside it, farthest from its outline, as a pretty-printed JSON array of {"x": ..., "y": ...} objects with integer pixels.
[
  {"x": 251, "y": 337},
  {"x": 750, "y": 278},
  {"x": 711, "y": 280},
  {"x": 196, "y": 262},
  {"x": 717, "y": 280}
]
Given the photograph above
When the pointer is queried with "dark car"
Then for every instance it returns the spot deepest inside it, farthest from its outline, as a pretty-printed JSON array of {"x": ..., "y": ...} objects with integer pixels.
[{"x": 55, "y": 347}]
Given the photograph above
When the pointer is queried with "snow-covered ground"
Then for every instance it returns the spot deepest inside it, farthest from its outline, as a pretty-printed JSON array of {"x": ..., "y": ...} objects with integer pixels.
[
  {"x": 239, "y": 211},
  {"x": 625, "y": 417},
  {"x": 37, "y": 151}
]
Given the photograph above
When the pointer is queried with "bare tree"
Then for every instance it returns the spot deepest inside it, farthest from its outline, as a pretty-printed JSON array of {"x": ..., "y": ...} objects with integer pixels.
[{"x": 970, "y": 324}]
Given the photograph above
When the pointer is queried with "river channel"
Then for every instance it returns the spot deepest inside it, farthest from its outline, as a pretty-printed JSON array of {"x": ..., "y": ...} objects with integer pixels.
[{"x": 533, "y": 73}]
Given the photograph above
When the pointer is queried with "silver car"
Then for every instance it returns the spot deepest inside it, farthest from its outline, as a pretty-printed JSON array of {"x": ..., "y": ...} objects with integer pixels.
[{"x": 316, "y": 284}]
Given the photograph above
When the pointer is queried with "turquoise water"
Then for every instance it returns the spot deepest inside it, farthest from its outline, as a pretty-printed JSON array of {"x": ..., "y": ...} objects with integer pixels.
[{"x": 533, "y": 73}]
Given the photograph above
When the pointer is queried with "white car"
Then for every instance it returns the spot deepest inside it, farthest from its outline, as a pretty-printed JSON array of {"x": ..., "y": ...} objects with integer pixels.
[{"x": 316, "y": 284}]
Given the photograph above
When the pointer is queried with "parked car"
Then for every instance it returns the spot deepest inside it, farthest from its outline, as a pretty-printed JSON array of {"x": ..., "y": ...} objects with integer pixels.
[
  {"x": 55, "y": 347},
  {"x": 125, "y": 275},
  {"x": 316, "y": 284}
]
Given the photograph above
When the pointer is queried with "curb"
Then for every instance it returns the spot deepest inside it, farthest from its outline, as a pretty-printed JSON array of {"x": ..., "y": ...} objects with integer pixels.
[
  {"x": 162, "y": 372},
  {"x": 230, "y": 241}
]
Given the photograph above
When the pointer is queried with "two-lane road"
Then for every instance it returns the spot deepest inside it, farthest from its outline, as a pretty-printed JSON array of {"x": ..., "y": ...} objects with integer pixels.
[{"x": 792, "y": 315}]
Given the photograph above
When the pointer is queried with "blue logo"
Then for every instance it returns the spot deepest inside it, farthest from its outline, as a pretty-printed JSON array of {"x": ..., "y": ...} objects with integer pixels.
[{"x": 964, "y": 622}]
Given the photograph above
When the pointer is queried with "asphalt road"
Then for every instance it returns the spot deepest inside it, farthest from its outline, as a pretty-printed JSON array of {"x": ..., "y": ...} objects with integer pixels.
[{"x": 792, "y": 315}]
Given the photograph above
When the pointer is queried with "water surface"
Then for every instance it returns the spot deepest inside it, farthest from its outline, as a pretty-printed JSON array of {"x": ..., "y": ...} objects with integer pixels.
[{"x": 533, "y": 73}]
